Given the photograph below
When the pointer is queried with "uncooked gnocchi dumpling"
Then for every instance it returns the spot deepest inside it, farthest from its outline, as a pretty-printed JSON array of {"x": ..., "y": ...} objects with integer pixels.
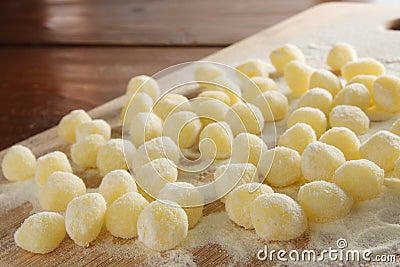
[
  {"x": 93, "y": 127},
  {"x": 317, "y": 98},
  {"x": 355, "y": 94},
  {"x": 350, "y": 117},
  {"x": 49, "y": 163},
  {"x": 324, "y": 201},
  {"x": 340, "y": 54},
  {"x": 115, "y": 184},
  {"x": 325, "y": 79},
  {"x": 144, "y": 127},
  {"x": 362, "y": 66},
  {"x": 297, "y": 76},
  {"x": 239, "y": 201},
  {"x": 140, "y": 102},
  {"x": 170, "y": 103},
  {"x": 377, "y": 114},
  {"x": 122, "y": 215},
  {"x": 319, "y": 161},
  {"x": 67, "y": 126},
  {"x": 216, "y": 141},
  {"x": 252, "y": 68},
  {"x": 366, "y": 80},
  {"x": 216, "y": 95},
  {"x": 282, "y": 55},
  {"x": 18, "y": 164},
  {"x": 162, "y": 225},
  {"x": 256, "y": 86},
  {"x": 227, "y": 86},
  {"x": 245, "y": 117},
  {"x": 382, "y": 148},
  {"x": 84, "y": 218},
  {"x": 248, "y": 148},
  {"x": 211, "y": 110},
  {"x": 277, "y": 217},
  {"x": 273, "y": 105},
  {"x": 344, "y": 139},
  {"x": 386, "y": 93},
  {"x": 84, "y": 152},
  {"x": 311, "y": 116},
  {"x": 362, "y": 178},
  {"x": 143, "y": 84},
  {"x": 298, "y": 137},
  {"x": 41, "y": 232},
  {"x": 208, "y": 71}
]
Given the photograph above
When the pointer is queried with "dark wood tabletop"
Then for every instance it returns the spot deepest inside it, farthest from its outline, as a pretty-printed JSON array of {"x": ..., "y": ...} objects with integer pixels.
[{"x": 60, "y": 55}]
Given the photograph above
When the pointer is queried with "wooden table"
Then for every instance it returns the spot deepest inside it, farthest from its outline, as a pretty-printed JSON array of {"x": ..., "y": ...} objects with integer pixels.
[{"x": 62, "y": 55}]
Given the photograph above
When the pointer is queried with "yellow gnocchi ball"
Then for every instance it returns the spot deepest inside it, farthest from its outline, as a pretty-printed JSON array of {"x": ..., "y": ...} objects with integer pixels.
[
  {"x": 187, "y": 196},
  {"x": 350, "y": 117},
  {"x": 122, "y": 215},
  {"x": 382, "y": 148},
  {"x": 211, "y": 110},
  {"x": 273, "y": 105},
  {"x": 59, "y": 190},
  {"x": 386, "y": 93},
  {"x": 344, "y": 139},
  {"x": 115, "y": 184},
  {"x": 162, "y": 225},
  {"x": 325, "y": 79},
  {"x": 366, "y": 80},
  {"x": 143, "y": 84},
  {"x": 49, "y": 163},
  {"x": 115, "y": 154},
  {"x": 285, "y": 166},
  {"x": 93, "y": 127},
  {"x": 153, "y": 176},
  {"x": 311, "y": 116},
  {"x": 170, "y": 103},
  {"x": 144, "y": 127},
  {"x": 377, "y": 114},
  {"x": 317, "y": 98},
  {"x": 298, "y": 137},
  {"x": 256, "y": 86},
  {"x": 355, "y": 94},
  {"x": 239, "y": 201},
  {"x": 248, "y": 148},
  {"x": 183, "y": 127},
  {"x": 216, "y": 95},
  {"x": 277, "y": 217},
  {"x": 319, "y": 161},
  {"x": 84, "y": 218},
  {"x": 395, "y": 128},
  {"x": 41, "y": 232},
  {"x": 18, "y": 164},
  {"x": 208, "y": 72},
  {"x": 362, "y": 178},
  {"x": 324, "y": 201},
  {"x": 297, "y": 75},
  {"x": 362, "y": 66},
  {"x": 229, "y": 176},
  {"x": 282, "y": 55},
  {"x": 252, "y": 68},
  {"x": 245, "y": 117},
  {"x": 67, "y": 125},
  {"x": 160, "y": 147},
  {"x": 227, "y": 86},
  {"x": 84, "y": 152},
  {"x": 140, "y": 102},
  {"x": 340, "y": 54},
  {"x": 216, "y": 141}
]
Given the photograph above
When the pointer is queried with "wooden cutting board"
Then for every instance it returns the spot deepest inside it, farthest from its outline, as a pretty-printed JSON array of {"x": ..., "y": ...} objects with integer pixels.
[{"x": 364, "y": 26}]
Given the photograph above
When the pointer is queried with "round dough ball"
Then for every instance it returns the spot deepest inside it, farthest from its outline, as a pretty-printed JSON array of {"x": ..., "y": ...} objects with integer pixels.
[
  {"x": 115, "y": 184},
  {"x": 84, "y": 152},
  {"x": 340, "y": 54},
  {"x": 49, "y": 163},
  {"x": 285, "y": 166},
  {"x": 395, "y": 128},
  {"x": 256, "y": 86},
  {"x": 162, "y": 226},
  {"x": 228, "y": 177},
  {"x": 298, "y": 137},
  {"x": 60, "y": 189},
  {"x": 144, "y": 127},
  {"x": 143, "y": 84},
  {"x": 207, "y": 95},
  {"x": 160, "y": 147},
  {"x": 386, "y": 93},
  {"x": 282, "y": 55},
  {"x": 41, "y": 232},
  {"x": 273, "y": 105},
  {"x": 317, "y": 98},
  {"x": 377, "y": 114},
  {"x": 245, "y": 117},
  {"x": 382, "y": 148},
  {"x": 183, "y": 127},
  {"x": 84, "y": 218},
  {"x": 277, "y": 217},
  {"x": 170, "y": 103},
  {"x": 115, "y": 154},
  {"x": 93, "y": 127},
  {"x": 362, "y": 66},
  {"x": 297, "y": 76},
  {"x": 139, "y": 102},
  {"x": 208, "y": 71},
  {"x": 311, "y": 116},
  {"x": 319, "y": 161},
  {"x": 325, "y": 79},
  {"x": 67, "y": 125},
  {"x": 239, "y": 201},
  {"x": 248, "y": 148},
  {"x": 362, "y": 178},
  {"x": 367, "y": 81},
  {"x": 187, "y": 196},
  {"x": 122, "y": 215},
  {"x": 344, "y": 139},
  {"x": 227, "y": 86},
  {"x": 355, "y": 94},
  {"x": 211, "y": 110},
  {"x": 216, "y": 141},
  {"x": 153, "y": 176},
  {"x": 350, "y": 117},
  {"x": 324, "y": 201},
  {"x": 252, "y": 68},
  {"x": 18, "y": 164}
]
